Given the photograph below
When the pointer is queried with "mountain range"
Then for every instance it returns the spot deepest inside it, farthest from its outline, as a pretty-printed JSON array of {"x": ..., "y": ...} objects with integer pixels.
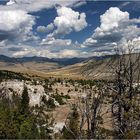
[
  {"x": 92, "y": 67},
  {"x": 45, "y": 66},
  {"x": 60, "y": 61}
]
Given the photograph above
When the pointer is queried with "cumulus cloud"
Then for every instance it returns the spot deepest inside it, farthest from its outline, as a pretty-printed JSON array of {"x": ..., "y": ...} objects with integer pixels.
[
  {"x": 41, "y": 29},
  {"x": 11, "y": 20},
  {"x": 69, "y": 20},
  {"x": 16, "y": 27},
  {"x": 115, "y": 29},
  {"x": 50, "y": 27},
  {"x": 22, "y": 50},
  {"x": 66, "y": 53},
  {"x": 26, "y": 50},
  {"x": 17, "y": 50},
  {"x": 37, "y": 5},
  {"x": 69, "y": 53},
  {"x": 21, "y": 53},
  {"x": 11, "y": 2},
  {"x": 3, "y": 43},
  {"x": 44, "y": 29},
  {"x": 51, "y": 41},
  {"x": 112, "y": 18},
  {"x": 133, "y": 45},
  {"x": 15, "y": 24}
]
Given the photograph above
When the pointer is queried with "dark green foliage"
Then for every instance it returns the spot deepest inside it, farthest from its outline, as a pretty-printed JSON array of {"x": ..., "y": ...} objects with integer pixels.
[
  {"x": 4, "y": 74},
  {"x": 17, "y": 120},
  {"x": 58, "y": 98},
  {"x": 67, "y": 96},
  {"x": 47, "y": 86},
  {"x": 24, "y": 101},
  {"x": 7, "y": 127},
  {"x": 71, "y": 130},
  {"x": 49, "y": 103},
  {"x": 28, "y": 129}
]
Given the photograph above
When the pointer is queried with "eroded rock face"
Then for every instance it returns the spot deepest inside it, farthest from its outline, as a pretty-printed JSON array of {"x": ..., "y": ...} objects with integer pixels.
[{"x": 7, "y": 88}]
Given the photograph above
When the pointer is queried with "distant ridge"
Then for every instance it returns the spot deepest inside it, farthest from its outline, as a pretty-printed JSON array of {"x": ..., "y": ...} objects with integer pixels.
[
  {"x": 60, "y": 61},
  {"x": 95, "y": 66}
]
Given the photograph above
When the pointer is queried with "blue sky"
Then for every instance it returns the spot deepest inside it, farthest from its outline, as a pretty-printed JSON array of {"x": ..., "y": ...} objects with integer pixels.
[{"x": 70, "y": 28}]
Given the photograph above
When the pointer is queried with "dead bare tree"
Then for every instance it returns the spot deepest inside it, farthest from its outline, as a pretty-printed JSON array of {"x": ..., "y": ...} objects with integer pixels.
[
  {"x": 92, "y": 114},
  {"x": 124, "y": 89},
  {"x": 125, "y": 103}
]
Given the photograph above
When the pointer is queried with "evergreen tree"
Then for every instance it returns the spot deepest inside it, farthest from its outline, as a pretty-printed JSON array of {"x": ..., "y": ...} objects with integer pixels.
[
  {"x": 19, "y": 121},
  {"x": 24, "y": 106},
  {"x": 28, "y": 129},
  {"x": 71, "y": 130},
  {"x": 8, "y": 129}
]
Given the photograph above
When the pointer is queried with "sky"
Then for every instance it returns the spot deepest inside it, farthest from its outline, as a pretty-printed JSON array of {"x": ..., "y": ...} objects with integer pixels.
[{"x": 68, "y": 28}]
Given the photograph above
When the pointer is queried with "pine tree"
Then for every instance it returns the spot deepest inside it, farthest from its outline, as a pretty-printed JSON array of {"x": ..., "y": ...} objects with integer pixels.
[
  {"x": 24, "y": 106},
  {"x": 71, "y": 129},
  {"x": 28, "y": 129}
]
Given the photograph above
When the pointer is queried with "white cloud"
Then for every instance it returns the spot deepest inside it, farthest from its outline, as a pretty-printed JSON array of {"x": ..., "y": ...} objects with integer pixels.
[
  {"x": 37, "y": 5},
  {"x": 51, "y": 41},
  {"x": 69, "y": 53},
  {"x": 16, "y": 28},
  {"x": 10, "y": 2},
  {"x": 16, "y": 24},
  {"x": 50, "y": 27},
  {"x": 13, "y": 19},
  {"x": 3, "y": 43},
  {"x": 66, "y": 53},
  {"x": 112, "y": 18},
  {"x": 17, "y": 50},
  {"x": 22, "y": 50},
  {"x": 89, "y": 42},
  {"x": 41, "y": 29},
  {"x": 115, "y": 29},
  {"x": 44, "y": 29},
  {"x": 68, "y": 20},
  {"x": 21, "y": 53},
  {"x": 133, "y": 45},
  {"x": 38, "y": 51}
]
